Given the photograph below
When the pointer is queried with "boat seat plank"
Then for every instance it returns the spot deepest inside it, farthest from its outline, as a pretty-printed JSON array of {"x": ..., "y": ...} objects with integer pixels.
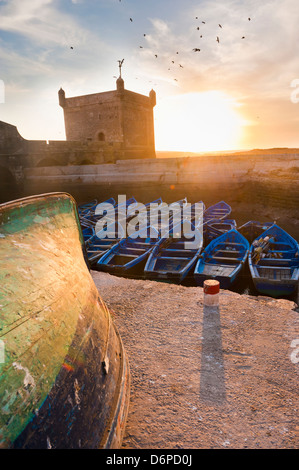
[
  {"x": 222, "y": 265},
  {"x": 272, "y": 267},
  {"x": 126, "y": 254},
  {"x": 281, "y": 251},
  {"x": 105, "y": 241},
  {"x": 279, "y": 260},
  {"x": 143, "y": 243},
  {"x": 227, "y": 252},
  {"x": 228, "y": 243},
  {"x": 223, "y": 258},
  {"x": 219, "y": 270},
  {"x": 95, "y": 247},
  {"x": 173, "y": 250},
  {"x": 98, "y": 250},
  {"x": 130, "y": 248}
]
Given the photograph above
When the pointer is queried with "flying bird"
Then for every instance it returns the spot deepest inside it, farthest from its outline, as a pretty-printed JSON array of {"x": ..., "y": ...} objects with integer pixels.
[
  {"x": 196, "y": 49},
  {"x": 217, "y": 39},
  {"x": 71, "y": 47},
  {"x": 197, "y": 28},
  {"x": 156, "y": 56},
  {"x": 243, "y": 37},
  {"x": 181, "y": 66},
  {"x": 144, "y": 35},
  {"x": 131, "y": 19},
  {"x": 172, "y": 61},
  {"x": 203, "y": 22},
  {"x": 220, "y": 26},
  {"x": 249, "y": 19}
]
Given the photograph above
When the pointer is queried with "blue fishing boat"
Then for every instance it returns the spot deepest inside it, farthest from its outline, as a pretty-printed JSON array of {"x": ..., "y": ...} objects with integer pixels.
[
  {"x": 103, "y": 241},
  {"x": 172, "y": 258},
  {"x": 93, "y": 215},
  {"x": 223, "y": 259},
  {"x": 87, "y": 217},
  {"x": 93, "y": 220},
  {"x": 274, "y": 262},
  {"x": 223, "y": 225},
  {"x": 210, "y": 233},
  {"x": 114, "y": 231},
  {"x": 215, "y": 227},
  {"x": 143, "y": 211},
  {"x": 91, "y": 205},
  {"x": 84, "y": 209},
  {"x": 123, "y": 206},
  {"x": 147, "y": 205},
  {"x": 220, "y": 210},
  {"x": 163, "y": 216},
  {"x": 113, "y": 211},
  {"x": 194, "y": 213},
  {"x": 253, "y": 229},
  {"x": 87, "y": 232},
  {"x": 130, "y": 254}
]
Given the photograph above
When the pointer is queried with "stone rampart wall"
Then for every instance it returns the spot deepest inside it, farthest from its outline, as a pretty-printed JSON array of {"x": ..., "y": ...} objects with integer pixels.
[{"x": 216, "y": 169}]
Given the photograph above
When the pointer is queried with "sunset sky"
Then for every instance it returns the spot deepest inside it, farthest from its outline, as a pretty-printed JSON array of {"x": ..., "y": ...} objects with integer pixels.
[{"x": 238, "y": 93}]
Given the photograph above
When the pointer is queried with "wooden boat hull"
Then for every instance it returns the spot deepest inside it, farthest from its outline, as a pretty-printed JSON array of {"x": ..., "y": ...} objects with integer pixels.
[
  {"x": 218, "y": 211},
  {"x": 253, "y": 229},
  {"x": 88, "y": 232},
  {"x": 175, "y": 270},
  {"x": 170, "y": 277},
  {"x": 173, "y": 258},
  {"x": 273, "y": 289},
  {"x": 215, "y": 228},
  {"x": 65, "y": 380},
  {"x": 223, "y": 225},
  {"x": 226, "y": 280},
  {"x": 276, "y": 276},
  {"x": 130, "y": 254},
  {"x": 102, "y": 242},
  {"x": 96, "y": 248},
  {"x": 215, "y": 264}
]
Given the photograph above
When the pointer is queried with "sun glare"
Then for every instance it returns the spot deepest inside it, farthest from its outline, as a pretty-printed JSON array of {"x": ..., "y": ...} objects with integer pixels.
[{"x": 196, "y": 122}]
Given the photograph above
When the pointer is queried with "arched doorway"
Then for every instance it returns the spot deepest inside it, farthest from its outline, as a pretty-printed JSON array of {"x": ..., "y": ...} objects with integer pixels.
[{"x": 101, "y": 137}]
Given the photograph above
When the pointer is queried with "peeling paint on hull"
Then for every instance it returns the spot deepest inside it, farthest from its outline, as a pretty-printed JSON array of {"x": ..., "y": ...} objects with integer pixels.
[{"x": 55, "y": 391}]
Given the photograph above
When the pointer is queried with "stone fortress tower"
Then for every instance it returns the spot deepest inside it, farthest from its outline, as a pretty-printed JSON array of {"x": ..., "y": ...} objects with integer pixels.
[{"x": 119, "y": 117}]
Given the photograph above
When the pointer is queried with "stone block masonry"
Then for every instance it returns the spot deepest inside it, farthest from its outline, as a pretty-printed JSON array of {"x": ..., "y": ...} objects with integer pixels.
[
  {"x": 101, "y": 128},
  {"x": 119, "y": 116},
  {"x": 216, "y": 170}
]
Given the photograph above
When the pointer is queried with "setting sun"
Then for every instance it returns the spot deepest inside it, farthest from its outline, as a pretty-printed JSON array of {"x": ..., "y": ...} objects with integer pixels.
[{"x": 197, "y": 122}]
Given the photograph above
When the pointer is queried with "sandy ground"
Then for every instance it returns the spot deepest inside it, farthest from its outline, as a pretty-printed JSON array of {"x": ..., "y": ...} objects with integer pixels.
[{"x": 206, "y": 377}]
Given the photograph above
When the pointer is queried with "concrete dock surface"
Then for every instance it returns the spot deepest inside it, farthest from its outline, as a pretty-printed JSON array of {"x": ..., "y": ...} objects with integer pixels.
[{"x": 206, "y": 377}]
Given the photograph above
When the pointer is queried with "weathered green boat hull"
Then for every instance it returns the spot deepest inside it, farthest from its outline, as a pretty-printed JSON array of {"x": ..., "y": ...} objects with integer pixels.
[{"x": 64, "y": 380}]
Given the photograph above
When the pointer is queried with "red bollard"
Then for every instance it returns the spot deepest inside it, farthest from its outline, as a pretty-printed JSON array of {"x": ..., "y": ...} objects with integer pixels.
[{"x": 211, "y": 289}]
